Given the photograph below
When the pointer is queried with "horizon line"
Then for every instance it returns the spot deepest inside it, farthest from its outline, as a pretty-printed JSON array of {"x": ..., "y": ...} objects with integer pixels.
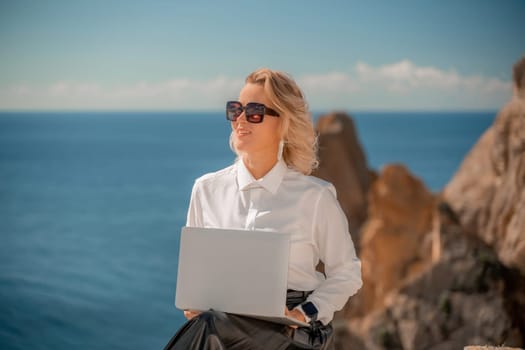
[{"x": 313, "y": 111}]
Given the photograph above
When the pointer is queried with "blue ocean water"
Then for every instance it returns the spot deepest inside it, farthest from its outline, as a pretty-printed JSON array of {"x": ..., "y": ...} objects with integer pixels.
[{"x": 91, "y": 205}]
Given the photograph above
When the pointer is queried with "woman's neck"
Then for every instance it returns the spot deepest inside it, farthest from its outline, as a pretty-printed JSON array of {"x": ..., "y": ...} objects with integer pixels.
[{"x": 259, "y": 166}]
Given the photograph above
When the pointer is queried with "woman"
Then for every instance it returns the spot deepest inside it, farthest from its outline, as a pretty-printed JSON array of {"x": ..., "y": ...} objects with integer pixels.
[{"x": 268, "y": 188}]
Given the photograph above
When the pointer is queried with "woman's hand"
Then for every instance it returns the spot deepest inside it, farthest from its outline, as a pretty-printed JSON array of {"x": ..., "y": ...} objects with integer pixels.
[
  {"x": 189, "y": 314},
  {"x": 298, "y": 315}
]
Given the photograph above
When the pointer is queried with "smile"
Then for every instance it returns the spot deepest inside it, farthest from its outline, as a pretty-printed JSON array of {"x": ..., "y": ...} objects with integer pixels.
[{"x": 243, "y": 132}]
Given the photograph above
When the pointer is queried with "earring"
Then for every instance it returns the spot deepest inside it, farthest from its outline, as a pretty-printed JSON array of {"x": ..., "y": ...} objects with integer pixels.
[
  {"x": 232, "y": 147},
  {"x": 280, "y": 151}
]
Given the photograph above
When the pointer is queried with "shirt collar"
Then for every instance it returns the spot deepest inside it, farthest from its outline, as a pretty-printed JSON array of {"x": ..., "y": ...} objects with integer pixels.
[{"x": 270, "y": 181}]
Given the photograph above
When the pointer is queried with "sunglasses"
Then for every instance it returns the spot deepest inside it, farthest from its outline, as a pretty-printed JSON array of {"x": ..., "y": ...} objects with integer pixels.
[{"x": 253, "y": 111}]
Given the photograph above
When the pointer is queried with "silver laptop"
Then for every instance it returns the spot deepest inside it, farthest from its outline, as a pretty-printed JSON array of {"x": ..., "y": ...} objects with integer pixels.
[{"x": 236, "y": 271}]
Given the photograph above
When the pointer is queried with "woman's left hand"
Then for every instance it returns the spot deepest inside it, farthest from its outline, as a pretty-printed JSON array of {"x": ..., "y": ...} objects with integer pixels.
[{"x": 295, "y": 314}]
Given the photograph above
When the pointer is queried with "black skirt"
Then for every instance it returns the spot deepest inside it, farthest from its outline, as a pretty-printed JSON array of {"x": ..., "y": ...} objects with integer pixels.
[{"x": 215, "y": 330}]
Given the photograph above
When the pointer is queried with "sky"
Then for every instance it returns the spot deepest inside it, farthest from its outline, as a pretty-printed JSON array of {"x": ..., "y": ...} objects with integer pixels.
[{"x": 193, "y": 56}]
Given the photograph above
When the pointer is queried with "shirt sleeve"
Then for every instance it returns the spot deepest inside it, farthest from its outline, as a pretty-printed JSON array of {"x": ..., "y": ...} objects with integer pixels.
[
  {"x": 194, "y": 217},
  {"x": 337, "y": 252}
]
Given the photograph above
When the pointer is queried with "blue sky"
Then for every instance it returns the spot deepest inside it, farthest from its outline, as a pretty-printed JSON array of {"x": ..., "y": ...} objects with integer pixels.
[{"x": 178, "y": 55}]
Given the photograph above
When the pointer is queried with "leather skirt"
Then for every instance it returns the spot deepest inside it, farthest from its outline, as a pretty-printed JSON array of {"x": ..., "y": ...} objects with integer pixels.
[{"x": 215, "y": 330}]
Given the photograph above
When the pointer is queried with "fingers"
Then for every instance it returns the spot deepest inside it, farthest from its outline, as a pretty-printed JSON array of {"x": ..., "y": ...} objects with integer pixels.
[
  {"x": 189, "y": 314},
  {"x": 295, "y": 314}
]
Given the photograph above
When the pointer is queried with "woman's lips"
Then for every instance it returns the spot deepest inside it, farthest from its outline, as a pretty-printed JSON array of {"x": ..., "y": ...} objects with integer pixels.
[{"x": 243, "y": 132}]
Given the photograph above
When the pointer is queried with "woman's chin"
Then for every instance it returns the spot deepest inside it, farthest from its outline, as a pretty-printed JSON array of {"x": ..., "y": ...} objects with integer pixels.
[{"x": 241, "y": 147}]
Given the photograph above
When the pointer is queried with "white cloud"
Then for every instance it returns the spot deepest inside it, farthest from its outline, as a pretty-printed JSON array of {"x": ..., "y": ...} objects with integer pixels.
[
  {"x": 173, "y": 94},
  {"x": 405, "y": 76},
  {"x": 399, "y": 85},
  {"x": 404, "y": 85},
  {"x": 328, "y": 83},
  {"x": 64, "y": 89}
]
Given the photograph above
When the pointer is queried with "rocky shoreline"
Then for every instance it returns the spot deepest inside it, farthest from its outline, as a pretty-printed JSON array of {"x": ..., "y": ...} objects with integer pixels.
[{"x": 440, "y": 270}]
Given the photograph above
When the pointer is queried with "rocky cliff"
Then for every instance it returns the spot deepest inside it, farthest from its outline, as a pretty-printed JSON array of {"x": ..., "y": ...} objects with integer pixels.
[
  {"x": 488, "y": 191},
  {"x": 343, "y": 163},
  {"x": 440, "y": 271}
]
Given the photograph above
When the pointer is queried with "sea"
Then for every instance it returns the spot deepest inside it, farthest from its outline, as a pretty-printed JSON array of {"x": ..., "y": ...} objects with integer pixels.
[{"x": 91, "y": 206}]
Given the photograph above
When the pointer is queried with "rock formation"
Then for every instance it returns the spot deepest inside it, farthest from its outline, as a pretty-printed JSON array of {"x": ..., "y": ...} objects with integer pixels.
[
  {"x": 440, "y": 271},
  {"x": 484, "y": 347},
  {"x": 343, "y": 163},
  {"x": 461, "y": 299},
  {"x": 488, "y": 191},
  {"x": 395, "y": 240}
]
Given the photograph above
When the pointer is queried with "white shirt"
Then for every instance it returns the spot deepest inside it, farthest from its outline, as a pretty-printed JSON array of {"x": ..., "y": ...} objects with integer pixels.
[{"x": 285, "y": 200}]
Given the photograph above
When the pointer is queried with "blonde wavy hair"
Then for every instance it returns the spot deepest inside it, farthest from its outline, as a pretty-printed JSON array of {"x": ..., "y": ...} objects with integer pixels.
[{"x": 296, "y": 127}]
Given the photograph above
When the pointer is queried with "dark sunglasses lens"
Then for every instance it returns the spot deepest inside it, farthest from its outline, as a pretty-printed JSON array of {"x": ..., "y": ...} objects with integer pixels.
[
  {"x": 254, "y": 112},
  {"x": 233, "y": 110}
]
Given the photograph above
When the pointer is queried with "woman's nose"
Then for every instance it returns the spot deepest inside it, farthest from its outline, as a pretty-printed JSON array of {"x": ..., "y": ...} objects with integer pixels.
[{"x": 242, "y": 118}]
